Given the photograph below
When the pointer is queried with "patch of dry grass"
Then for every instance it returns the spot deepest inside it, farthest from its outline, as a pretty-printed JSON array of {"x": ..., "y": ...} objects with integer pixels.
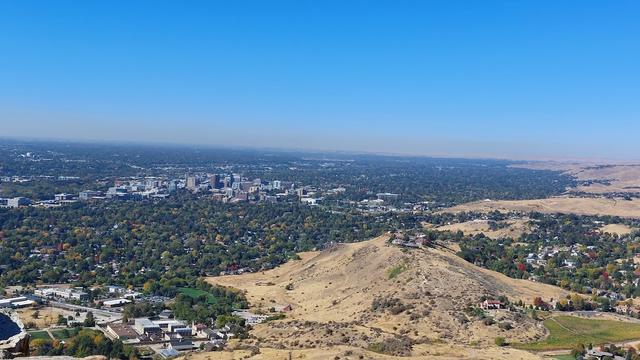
[
  {"x": 46, "y": 316},
  {"x": 564, "y": 204},
  {"x": 618, "y": 229},
  {"x": 513, "y": 229}
]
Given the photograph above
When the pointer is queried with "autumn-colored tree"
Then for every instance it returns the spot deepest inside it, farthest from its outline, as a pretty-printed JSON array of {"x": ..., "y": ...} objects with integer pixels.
[{"x": 539, "y": 303}]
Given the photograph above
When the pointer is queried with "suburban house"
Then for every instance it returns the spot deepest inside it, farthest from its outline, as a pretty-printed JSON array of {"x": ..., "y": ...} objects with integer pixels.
[{"x": 491, "y": 305}]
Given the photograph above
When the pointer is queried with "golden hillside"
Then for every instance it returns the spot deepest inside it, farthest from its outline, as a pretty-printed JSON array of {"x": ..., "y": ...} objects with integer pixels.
[
  {"x": 514, "y": 228},
  {"x": 356, "y": 295},
  {"x": 561, "y": 204}
]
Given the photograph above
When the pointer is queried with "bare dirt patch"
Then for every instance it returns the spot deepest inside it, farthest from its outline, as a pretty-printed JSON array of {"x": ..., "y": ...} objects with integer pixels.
[{"x": 45, "y": 317}]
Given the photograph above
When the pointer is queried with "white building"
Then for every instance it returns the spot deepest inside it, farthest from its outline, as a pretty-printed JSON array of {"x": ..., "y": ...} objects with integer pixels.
[
  {"x": 116, "y": 303},
  {"x": 18, "y": 201},
  {"x": 249, "y": 317},
  {"x": 63, "y": 197},
  {"x": 16, "y": 302},
  {"x": 69, "y": 294}
]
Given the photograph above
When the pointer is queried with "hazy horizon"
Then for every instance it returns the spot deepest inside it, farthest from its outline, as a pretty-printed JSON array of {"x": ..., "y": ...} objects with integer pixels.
[
  {"x": 525, "y": 80},
  {"x": 306, "y": 150}
]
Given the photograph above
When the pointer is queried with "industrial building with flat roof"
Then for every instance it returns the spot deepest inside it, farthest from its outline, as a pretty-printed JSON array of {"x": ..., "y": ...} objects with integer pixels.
[
  {"x": 144, "y": 326},
  {"x": 122, "y": 331}
]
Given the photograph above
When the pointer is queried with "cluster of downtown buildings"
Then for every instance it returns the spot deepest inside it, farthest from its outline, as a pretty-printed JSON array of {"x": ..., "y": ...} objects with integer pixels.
[
  {"x": 224, "y": 188},
  {"x": 236, "y": 188},
  {"x": 128, "y": 189},
  {"x": 221, "y": 187}
]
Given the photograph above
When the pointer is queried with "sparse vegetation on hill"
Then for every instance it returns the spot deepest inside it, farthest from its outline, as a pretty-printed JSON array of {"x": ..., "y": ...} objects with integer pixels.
[
  {"x": 395, "y": 346},
  {"x": 332, "y": 302},
  {"x": 394, "y": 271},
  {"x": 393, "y": 305}
]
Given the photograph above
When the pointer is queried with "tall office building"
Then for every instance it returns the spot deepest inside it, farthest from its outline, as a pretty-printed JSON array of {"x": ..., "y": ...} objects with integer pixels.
[
  {"x": 228, "y": 181},
  {"x": 172, "y": 186},
  {"x": 214, "y": 181},
  {"x": 192, "y": 183}
]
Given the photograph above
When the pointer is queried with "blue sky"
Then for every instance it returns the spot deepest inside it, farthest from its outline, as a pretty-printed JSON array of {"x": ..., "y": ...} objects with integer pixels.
[{"x": 514, "y": 79}]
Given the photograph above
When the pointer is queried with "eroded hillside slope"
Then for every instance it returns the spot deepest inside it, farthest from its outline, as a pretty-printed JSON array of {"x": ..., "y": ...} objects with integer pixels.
[{"x": 372, "y": 294}]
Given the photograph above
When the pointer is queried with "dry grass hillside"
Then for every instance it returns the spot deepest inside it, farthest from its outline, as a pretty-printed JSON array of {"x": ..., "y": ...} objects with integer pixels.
[
  {"x": 513, "y": 228},
  {"x": 620, "y": 178},
  {"x": 563, "y": 204},
  {"x": 603, "y": 184},
  {"x": 374, "y": 294},
  {"x": 599, "y": 178}
]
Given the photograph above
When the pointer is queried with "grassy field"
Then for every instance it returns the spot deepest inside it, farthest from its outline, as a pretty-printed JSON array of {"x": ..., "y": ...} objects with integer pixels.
[
  {"x": 564, "y": 357},
  {"x": 567, "y": 331},
  {"x": 63, "y": 334},
  {"x": 43, "y": 335},
  {"x": 194, "y": 293}
]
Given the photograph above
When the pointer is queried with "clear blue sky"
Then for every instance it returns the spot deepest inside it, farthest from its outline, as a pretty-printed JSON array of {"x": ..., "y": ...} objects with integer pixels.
[{"x": 519, "y": 79}]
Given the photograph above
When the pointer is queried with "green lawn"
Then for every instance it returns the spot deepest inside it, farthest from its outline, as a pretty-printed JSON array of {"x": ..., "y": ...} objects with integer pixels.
[
  {"x": 43, "y": 335},
  {"x": 194, "y": 293},
  {"x": 568, "y": 331},
  {"x": 564, "y": 357},
  {"x": 63, "y": 334}
]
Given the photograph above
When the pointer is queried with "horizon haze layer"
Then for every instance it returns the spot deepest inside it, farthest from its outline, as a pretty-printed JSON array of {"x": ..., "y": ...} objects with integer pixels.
[{"x": 479, "y": 156}]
